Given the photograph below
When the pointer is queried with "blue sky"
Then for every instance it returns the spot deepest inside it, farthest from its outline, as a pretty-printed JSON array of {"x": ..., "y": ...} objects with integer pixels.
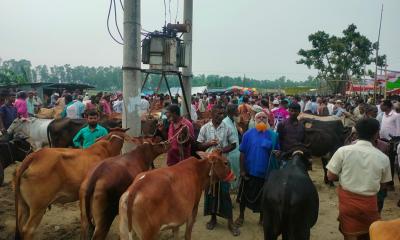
[{"x": 259, "y": 38}]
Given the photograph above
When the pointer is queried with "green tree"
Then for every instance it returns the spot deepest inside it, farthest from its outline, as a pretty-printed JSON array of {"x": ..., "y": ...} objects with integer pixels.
[{"x": 338, "y": 59}]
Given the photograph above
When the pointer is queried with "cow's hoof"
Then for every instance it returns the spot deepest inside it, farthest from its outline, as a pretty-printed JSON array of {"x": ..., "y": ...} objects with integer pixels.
[
  {"x": 398, "y": 203},
  {"x": 331, "y": 184}
]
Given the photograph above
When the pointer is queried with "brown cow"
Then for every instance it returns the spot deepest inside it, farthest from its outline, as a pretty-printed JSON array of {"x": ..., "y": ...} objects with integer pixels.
[
  {"x": 100, "y": 192},
  {"x": 385, "y": 230},
  {"x": 54, "y": 175},
  {"x": 168, "y": 197}
]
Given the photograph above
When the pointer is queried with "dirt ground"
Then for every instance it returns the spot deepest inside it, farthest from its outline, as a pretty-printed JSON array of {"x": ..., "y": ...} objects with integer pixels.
[{"x": 62, "y": 222}]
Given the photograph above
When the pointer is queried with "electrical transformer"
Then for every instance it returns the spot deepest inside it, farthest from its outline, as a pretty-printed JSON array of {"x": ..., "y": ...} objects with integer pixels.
[{"x": 164, "y": 52}]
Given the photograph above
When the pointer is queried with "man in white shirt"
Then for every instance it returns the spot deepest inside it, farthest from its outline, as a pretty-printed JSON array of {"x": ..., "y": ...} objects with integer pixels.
[
  {"x": 390, "y": 121},
  {"x": 118, "y": 104},
  {"x": 307, "y": 106},
  {"x": 390, "y": 126},
  {"x": 362, "y": 170},
  {"x": 144, "y": 105},
  {"x": 331, "y": 105}
]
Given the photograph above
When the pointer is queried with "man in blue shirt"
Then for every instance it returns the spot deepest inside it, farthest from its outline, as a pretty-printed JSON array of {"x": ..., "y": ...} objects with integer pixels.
[
  {"x": 88, "y": 135},
  {"x": 8, "y": 113},
  {"x": 255, "y": 150}
]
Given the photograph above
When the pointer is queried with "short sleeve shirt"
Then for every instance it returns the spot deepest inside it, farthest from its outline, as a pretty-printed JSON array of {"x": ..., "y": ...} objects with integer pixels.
[
  {"x": 361, "y": 168},
  {"x": 86, "y": 137},
  {"x": 223, "y": 133}
]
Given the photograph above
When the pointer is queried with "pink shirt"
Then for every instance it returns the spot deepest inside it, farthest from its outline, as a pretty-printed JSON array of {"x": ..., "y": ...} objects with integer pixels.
[
  {"x": 390, "y": 125},
  {"x": 106, "y": 107},
  {"x": 22, "y": 108},
  {"x": 174, "y": 154}
]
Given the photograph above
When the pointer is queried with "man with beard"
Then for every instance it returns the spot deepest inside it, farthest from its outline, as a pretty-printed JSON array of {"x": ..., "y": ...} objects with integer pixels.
[
  {"x": 88, "y": 135},
  {"x": 217, "y": 134},
  {"x": 178, "y": 151},
  {"x": 255, "y": 151}
]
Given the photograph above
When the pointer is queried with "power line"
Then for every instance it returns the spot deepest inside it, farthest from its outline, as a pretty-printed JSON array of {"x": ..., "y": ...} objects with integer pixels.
[
  {"x": 165, "y": 14},
  {"x": 169, "y": 7},
  {"x": 177, "y": 10},
  {"x": 122, "y": 5},
  {"x": 116, "y": 20},
  {"x": 108, "y": 23}
]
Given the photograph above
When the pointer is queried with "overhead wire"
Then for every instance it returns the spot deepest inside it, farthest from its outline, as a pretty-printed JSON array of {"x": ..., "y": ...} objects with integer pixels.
[
  {"x": 116, "y": 20},
  {"x": 122, "y": 5},
  {"x": 165, "y": 14},
  {"x": 177, "y": 10},
  {"x": 169, "y": 9},
  {"x": 108, "y": 23}
]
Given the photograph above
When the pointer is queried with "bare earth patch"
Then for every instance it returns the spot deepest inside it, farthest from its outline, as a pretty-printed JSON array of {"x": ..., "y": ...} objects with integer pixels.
[{"x": 62, "y": 221}]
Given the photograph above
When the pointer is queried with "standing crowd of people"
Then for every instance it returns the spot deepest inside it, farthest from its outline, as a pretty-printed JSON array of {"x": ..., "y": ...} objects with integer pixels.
[{"x": 252, "y": 131}]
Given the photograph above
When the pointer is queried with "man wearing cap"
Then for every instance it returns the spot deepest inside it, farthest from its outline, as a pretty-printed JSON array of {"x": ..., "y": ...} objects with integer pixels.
[
  {"x": 291, "y": 131},
  {"x": 339, "y": 110},
  {"x": 53, "y": 99},
  {"x": 254, "y": 110},
  {"x": 275, "y": 105},
  {"x": 281, "y": 113},
  {"x": 255, "y": 150}
]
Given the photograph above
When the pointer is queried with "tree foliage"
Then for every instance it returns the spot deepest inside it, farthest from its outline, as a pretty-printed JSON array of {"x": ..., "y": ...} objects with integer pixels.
[
  {"x": 339, "y": 59},
  {"x": 110, "y": 78}
]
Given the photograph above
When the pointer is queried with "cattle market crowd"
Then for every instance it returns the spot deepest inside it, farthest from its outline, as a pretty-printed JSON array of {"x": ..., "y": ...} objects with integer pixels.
[{"x": 267, "y": 141}]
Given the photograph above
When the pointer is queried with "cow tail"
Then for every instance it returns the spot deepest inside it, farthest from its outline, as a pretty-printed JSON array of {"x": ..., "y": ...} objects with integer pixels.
[
  {"x": 48, "y": 134},
  {"x": 131, "y": 198},
  {"x": 18, "y": 198},
  {"x": 91, "y": 185}
]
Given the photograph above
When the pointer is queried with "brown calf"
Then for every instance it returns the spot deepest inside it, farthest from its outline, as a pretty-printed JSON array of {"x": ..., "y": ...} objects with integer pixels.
[
  {"x": 168, "y": 197},
  {"x": 100, "y": 192},
  {"x": 54, "y": 175}
]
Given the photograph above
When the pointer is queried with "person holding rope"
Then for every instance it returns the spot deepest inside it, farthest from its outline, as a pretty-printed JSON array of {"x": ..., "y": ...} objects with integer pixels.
[
  {"x": 255, "y": 155},
  {"x": 217, "y": 134},
  {"x": 180, "y": 148}
]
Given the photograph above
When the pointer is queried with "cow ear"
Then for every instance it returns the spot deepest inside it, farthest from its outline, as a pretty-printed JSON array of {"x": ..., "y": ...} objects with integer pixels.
[{"x": 203, "y": 155}]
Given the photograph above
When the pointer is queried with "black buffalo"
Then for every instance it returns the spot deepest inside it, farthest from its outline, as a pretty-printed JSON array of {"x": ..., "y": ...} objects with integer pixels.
[
  {"x": 324, "y": 137},
  {"x": 11, "y": 150},
  {"x": 290, "y": 201}
]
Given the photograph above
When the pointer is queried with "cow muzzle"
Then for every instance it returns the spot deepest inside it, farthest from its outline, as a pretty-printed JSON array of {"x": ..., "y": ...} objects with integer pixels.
[{"x": 230, "y": 177}]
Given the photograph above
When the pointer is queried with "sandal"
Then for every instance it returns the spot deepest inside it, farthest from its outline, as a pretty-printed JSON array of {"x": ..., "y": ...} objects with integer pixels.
[
  {"x": 239, "y": 222},
  {"x": 211, "y": 224},
  {"x": 234, "y": 230}
]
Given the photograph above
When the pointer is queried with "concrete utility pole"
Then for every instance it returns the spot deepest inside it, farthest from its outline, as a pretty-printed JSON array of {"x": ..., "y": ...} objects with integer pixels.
[
  {"x": 187, "y": 74},
  {"x": 131, "y": 73}
]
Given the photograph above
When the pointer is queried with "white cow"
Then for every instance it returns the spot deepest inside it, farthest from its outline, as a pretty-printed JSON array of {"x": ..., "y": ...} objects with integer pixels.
[{"x": 34, "y": 128}]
